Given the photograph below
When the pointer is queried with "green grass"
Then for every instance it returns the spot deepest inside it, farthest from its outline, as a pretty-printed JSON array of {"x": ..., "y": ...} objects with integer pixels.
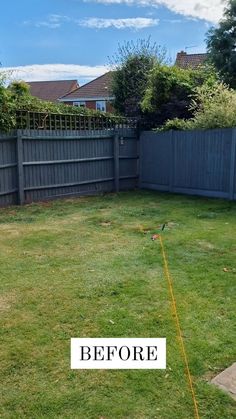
[{"x": 88, "y": 268}]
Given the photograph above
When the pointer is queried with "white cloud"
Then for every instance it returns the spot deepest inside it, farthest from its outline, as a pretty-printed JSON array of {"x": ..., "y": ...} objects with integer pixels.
[
  {"x": 56, "y": 21},
  {"x": 50, "y": 25},
  {"x": 37, "y": 72},
  {"x": 128, "y": 23},
  {"x": 209, "y": 10},
  {"x": 52, "y": 22}
]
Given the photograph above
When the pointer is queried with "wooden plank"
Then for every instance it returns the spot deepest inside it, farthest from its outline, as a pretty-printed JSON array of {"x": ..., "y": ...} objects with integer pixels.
[
  {"x": 232, "y": 165},
  {"x": 116, "y": 163},
  {"x": 154, "y": 186},
  {"x": 129, "y": 177},
  {"x": 65, "y": 185},
  {"x": 8, "y": 166},
  {"x": 20, "y": 170},
  {"x": 49, "y": 162},
  {"x": 9, "y": 192},
  {"x": 10, "y": 138},
  {"x": 201, "y": 192},
  {"x": 68, "y": 137},
  {"x": 172, "y": 161}
]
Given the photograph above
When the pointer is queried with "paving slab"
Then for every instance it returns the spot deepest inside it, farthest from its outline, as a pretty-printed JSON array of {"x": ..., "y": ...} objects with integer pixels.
[{"x": 226, "y": 380}]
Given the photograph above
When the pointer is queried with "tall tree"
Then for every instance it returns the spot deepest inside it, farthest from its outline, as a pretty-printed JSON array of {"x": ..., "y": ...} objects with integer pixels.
[
  {"x": 131, "y": 66},
  {"x": 221, "y": 45},
  {"x": 169, "y": 91}
]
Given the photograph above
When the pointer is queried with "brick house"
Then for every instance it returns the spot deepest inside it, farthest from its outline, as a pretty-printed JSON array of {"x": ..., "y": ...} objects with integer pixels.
[
  {"x": 52, "y": 90},
  {"x": 96, "y": 94},
  {"x": 184, "y": 60}
]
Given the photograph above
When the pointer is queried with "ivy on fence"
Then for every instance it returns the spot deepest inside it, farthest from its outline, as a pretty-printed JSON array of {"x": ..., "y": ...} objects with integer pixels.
[{"x": 55, "y": 121}]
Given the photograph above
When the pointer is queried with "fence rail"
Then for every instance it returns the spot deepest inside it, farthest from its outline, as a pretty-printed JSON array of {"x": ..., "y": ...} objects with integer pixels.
[
  {"x": 55, "y": 121},
  {"x": 37, "y": 165}
]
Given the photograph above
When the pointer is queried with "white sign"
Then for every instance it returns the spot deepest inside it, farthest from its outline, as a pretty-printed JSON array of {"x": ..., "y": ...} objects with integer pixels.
[{"x": 118, "y": 353}]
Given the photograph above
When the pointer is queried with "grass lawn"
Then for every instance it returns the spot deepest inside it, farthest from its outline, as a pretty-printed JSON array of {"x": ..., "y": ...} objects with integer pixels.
[{"x": 88, "y": 268}]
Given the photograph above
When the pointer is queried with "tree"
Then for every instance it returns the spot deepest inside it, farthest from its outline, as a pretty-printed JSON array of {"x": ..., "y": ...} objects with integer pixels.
[
  {"x": 170, "y": 89},
  {"x": 221, "y": 45},
  {"x": 212, "y": 107},
  {"x": 19, "y": 88},
  {"x": 131, "y": 66}
]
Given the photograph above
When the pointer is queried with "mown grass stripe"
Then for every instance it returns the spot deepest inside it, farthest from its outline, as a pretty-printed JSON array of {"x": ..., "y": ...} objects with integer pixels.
[{"x": 179, "y": 331}]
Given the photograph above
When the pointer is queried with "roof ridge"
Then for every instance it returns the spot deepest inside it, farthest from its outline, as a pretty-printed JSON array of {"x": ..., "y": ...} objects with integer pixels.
[
  {"x": 52, "y": 81},
  {"x": 86, "y": 84},
  {"x": 197, "y": 53}
]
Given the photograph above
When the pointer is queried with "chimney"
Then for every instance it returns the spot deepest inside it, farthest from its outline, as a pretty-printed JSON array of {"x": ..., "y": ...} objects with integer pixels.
[
  {"x": 181, "y": 53},
  {"x": 180, "y": 56}
]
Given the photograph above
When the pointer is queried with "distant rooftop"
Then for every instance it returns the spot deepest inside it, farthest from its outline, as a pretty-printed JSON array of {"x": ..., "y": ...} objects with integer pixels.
[
  {"x": 98, "y": 88},
  {"x": 52, "y": 90},
  {"x": 184, "y": 60}
]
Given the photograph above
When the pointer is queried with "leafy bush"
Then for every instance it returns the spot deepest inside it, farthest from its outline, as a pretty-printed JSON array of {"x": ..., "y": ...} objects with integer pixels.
[
  {"x": 170, "y": 89},
  {"x": 175, "y": 124},
  {"x": 212, "y": 107},
  {"x": 19, "y": 88},
  {"x": 17, "y": 97},
  {"x": 6, "y": 106},
  {"x": 164, "y": 84}
]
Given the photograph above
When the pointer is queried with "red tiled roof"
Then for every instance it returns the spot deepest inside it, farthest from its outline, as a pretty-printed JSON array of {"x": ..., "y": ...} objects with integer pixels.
[
  {"x": 185, "y": 60},
  {"x": 98, "y": 88},
  {"x": 52, "y": 90}
]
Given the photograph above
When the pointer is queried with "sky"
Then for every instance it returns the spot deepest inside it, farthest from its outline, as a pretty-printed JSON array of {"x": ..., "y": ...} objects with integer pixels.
[{"x": 73, "y": 39}]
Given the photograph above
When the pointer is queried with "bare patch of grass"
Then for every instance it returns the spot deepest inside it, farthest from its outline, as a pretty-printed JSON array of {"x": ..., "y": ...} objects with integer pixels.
[{"x": 6, "y": 301}]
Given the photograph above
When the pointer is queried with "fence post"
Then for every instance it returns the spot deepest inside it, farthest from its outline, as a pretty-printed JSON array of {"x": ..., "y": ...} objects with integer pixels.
[
  {"x": 232, "y": 165},
  {"x": 20, "y": 169},
  {"x": 116, "y": 162}
]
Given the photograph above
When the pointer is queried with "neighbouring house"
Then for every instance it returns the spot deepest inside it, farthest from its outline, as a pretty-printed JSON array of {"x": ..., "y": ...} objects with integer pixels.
[
  {"x": 96, "y": 95},
  {"x": 52, "y": 90},
  {"x": 184, "y": 60}
]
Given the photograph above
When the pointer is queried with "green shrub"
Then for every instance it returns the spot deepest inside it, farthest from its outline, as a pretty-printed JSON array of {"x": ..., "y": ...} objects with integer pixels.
[
  {"x": 175, "y": 124},
  {"x": 17, "y": 97},
  {"x": 164, "y": 84},
  {"x": 169, "y": 91},
  {"x": 213, "y": 106}
]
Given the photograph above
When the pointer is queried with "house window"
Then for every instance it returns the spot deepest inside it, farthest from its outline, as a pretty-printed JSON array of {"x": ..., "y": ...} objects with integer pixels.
[
  {"x": 80, "y": 103},
  {"x": 101, "y": 105}
]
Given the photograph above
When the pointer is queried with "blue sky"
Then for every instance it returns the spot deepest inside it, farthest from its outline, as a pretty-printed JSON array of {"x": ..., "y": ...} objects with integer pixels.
[{"x": 54, "y": 39}]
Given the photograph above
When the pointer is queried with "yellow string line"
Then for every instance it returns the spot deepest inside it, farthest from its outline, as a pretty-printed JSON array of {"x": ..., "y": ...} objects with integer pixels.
[{"x": 169, "y": 280}]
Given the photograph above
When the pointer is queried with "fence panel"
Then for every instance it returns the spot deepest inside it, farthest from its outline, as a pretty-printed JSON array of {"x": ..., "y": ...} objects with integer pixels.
[
  {"x": 128, "y": 158},
  {"x": 190, "y": 162},
  {"x": 155, "y": 160},
  {"x": 202, "y": 162},
  {"x": 37, "y": 165},
  {"x": 8, "y": 169}
]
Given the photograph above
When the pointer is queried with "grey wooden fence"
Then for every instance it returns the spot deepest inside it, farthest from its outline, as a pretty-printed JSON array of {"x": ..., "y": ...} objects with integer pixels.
[
  {"x": 190, "y": 162},
  {"x": 37, "y": 165}
]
